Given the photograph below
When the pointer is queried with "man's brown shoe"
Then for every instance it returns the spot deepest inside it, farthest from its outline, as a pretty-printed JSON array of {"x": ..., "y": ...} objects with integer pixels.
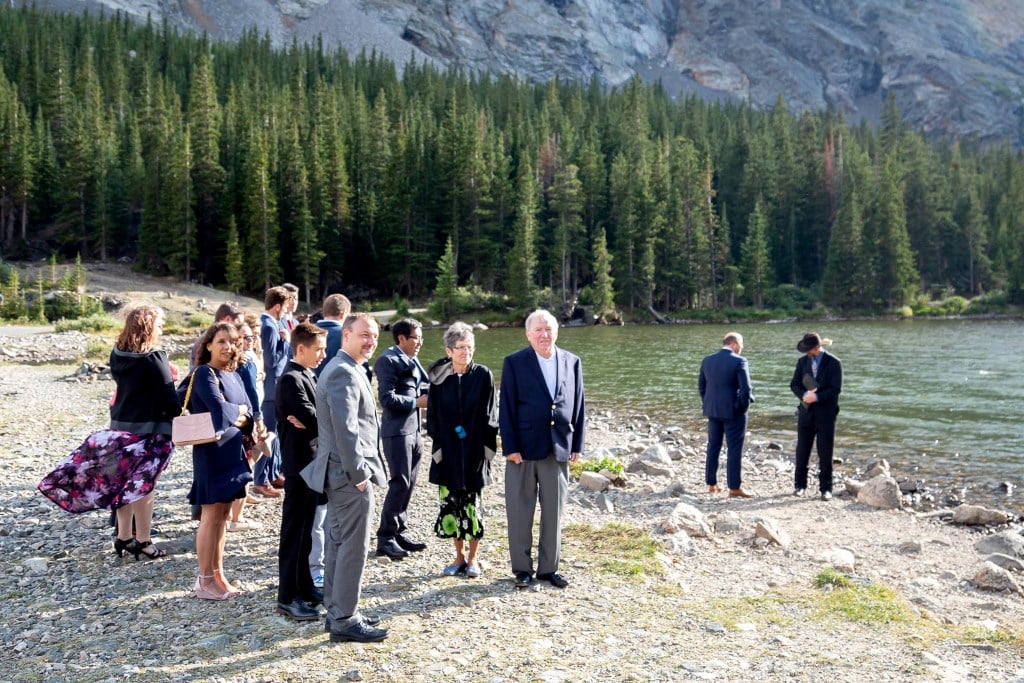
[
  {"x": 278, "y": 483},
  {"x": 740, "y": 493},
  {"x": 714, "y": 488},
  {"x": 266, "y": 490}
]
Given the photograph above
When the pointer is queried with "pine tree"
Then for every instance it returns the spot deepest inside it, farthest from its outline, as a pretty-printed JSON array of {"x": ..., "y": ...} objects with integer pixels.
[
  {"x": 207, "y": 175},
  {"x": 895, "y": 276},
  {"x": 445, "y": 292},
  {"x": 522, "y": 260},
  {"x": 566, "y": 204},
  {"x": 755, "y": 262},
  {"x": 234, "y": 267},
  {"x": 259, "y": 213},
  {"x": 603, "y": 288}
]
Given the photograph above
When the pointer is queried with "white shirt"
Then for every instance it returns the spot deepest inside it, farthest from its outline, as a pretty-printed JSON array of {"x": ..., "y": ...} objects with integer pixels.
[{"x": 549, "y": 368}]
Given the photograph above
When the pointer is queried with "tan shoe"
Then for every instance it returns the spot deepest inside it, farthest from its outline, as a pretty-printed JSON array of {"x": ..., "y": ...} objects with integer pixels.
[
  {"x": 714, "y": 488},
  {"x": 266, "y": 490},
  {"x": 740, "y": 493},
  {"x": 251, "y": 500}
]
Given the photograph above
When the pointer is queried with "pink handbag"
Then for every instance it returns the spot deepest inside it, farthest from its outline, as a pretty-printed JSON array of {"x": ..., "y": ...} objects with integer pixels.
[{"x": 191, "y": 430}]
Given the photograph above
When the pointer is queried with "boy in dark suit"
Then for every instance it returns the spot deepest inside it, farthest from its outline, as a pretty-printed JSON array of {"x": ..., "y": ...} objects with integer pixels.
[
  {"x": 817, "y": 382},
  {"x": 295, "y": 403}
]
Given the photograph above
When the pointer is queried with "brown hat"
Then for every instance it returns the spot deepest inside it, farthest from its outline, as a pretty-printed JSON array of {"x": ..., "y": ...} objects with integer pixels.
[{"x": 810, "y": 341}]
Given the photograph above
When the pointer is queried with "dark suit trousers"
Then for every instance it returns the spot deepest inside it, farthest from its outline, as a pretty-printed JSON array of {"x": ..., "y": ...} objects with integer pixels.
[
  {"x": 733, "y": 430},
  {"x": 297, "y": 511},
  {"x": 547, "y": 479},
  {"x": 403, "y": 453},
  {"x": 809, "y": 427}
]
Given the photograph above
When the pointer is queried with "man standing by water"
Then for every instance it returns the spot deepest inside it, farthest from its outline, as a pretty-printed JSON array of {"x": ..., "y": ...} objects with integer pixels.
[
  {"x": 726, "y": 394},
  {"x": 542, "y": 420},
  {"x": 817, "y": 382}
]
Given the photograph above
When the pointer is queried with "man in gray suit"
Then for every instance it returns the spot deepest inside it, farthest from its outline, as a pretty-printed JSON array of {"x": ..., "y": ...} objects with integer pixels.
[
  {"x": 348, "y": 465},
  {"x": 725, "y": 393}
]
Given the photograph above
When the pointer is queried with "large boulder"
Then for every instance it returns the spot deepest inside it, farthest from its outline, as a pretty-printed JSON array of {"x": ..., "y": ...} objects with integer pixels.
[
  {"x": 991, "y": 577},
  {"x": 881, "y": 492},
  {"x": 654, "y": 461},
  {"x": 592, "y": 481},
  {"x": 686, "y": 517}
]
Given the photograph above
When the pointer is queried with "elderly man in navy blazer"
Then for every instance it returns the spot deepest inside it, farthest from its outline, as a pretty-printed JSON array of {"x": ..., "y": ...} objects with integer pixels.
[
  {"x": 726, "y": 394},
  {"x": 542, "y": 420}
]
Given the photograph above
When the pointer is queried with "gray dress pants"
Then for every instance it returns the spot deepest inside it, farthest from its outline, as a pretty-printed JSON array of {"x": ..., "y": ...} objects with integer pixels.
[
  {"x": 548, "y": 480},
  {"x": 347, "y": 537}
]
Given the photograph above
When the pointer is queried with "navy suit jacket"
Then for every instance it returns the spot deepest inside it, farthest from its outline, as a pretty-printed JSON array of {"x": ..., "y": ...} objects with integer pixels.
[
  {"x": 534, "y": 424},
  {"x": 398, "y": 381},
  {"x": 333, "y": 328},
  {"x": 724, "y": 385},
  {"x": 276, "y": 353},
  {"x": 830, "y": 384}
]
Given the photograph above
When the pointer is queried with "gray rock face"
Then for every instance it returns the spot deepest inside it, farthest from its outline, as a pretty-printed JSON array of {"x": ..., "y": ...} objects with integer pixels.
[
  {"x": 956, "y": 67},
  {"x": 977, "y": 515}
]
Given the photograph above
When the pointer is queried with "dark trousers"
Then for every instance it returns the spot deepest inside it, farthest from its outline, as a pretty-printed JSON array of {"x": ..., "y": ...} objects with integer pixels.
[
  {"x": 297, "y": 511},
  {"x": 267, "y": 469},
  {"x": 809, "y": 428},
  {"x": 733, "y": 429},
  {"x": 403, "y": 454}
]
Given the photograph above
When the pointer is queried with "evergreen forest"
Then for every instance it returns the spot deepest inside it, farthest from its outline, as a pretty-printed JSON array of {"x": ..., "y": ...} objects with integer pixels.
[{"x": 242, "y": 165}]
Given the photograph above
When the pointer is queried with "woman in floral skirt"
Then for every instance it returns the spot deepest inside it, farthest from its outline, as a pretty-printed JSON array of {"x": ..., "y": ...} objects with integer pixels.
[{"x": 117, "y": 468}]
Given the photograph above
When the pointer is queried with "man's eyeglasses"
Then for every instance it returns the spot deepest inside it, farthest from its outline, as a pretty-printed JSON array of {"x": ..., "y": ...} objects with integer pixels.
[{"x": 249, "y": 337}]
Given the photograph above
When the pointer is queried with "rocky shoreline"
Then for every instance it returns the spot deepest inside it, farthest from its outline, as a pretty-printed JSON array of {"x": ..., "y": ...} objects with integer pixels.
[{"x": 727, "y": 590}]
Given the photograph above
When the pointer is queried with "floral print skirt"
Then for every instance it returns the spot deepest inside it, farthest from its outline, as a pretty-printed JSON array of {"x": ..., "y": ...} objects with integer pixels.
[
  {"x": 460, "y": 515},
  {"x": 109, "y": 470}
]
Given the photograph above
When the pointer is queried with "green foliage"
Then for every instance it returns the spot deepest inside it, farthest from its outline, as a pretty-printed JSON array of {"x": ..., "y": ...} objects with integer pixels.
[
  {"x": 829, "y": 579},
  {"x": 350, "y": 170},
  {"x": 870, "y": 604},
  {"x": 94, "y": 322},
  {"x": 605, "y": 462},
  {"x": 445, "y": 303}
]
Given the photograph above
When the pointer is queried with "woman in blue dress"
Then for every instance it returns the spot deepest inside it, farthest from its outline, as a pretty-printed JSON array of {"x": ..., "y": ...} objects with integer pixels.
[{"x": 220, "y": 469}]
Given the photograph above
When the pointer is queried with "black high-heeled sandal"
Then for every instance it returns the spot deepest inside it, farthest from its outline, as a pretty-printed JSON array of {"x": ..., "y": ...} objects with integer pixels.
[
  {"x": 140, "y": 549},
  {"x": 120, "y": 546}
]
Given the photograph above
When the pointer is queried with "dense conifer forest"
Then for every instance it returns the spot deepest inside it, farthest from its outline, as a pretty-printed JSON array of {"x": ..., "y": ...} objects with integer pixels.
[{"x": 244, "y": 165}]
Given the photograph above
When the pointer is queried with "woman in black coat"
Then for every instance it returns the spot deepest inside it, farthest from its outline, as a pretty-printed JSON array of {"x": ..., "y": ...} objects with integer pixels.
[{"x": 462, "y": 421}]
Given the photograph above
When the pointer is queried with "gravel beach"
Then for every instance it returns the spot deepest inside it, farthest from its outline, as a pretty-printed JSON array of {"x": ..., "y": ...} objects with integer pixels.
[{"x": 729, "y": 594}]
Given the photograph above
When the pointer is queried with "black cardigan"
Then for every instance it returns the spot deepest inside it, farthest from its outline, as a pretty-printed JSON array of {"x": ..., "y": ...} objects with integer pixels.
[{"x": 146, "y": 401}]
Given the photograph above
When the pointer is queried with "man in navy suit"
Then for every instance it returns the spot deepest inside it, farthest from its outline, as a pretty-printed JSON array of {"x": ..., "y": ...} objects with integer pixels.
[
  {"x": 400, "y": 378},
  {"x": 726, "y": 393},
  {"x": 542, "y": 419},
  {"x": 817, "y": 382}
]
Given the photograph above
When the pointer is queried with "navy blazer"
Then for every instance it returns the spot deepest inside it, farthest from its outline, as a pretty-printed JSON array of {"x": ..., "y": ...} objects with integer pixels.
[
  {"x": 398, "y": 381},
  {"x": 333, "y": 328},
  {"x": 830, "y": 384},
  {"x": 276, "y": 354},
  {"x": 724, "y": 385},
  {"x": 534, "y": 424}
]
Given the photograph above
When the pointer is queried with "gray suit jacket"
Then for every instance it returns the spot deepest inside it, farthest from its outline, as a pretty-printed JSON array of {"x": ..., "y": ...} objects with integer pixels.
[{"x": 347, "y": 427}]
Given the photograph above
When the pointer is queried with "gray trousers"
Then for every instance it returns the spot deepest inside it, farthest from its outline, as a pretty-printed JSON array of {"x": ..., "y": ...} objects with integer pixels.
[
  {"x": 316, "y": 552},
  {"x": 347, "y": 537},
  {"x": 548, "y": 480}
]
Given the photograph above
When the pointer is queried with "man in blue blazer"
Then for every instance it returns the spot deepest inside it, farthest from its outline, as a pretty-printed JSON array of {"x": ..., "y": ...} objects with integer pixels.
[
  {"x": 400, "y": 380},
  {"x": 726, "y": 394},
  {"x": 542, "y": 418},
  {"x": 817, "y": 382}
]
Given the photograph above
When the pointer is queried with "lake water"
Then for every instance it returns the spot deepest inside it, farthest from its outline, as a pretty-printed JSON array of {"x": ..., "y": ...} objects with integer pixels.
[{"x": 942, "y": 400}]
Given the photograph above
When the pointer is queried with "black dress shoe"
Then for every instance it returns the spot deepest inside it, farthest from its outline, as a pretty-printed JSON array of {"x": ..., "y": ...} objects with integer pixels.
[
  {"x": 314, "y": 598},
  {"x": 368, "y": 619},
  {"x": 391, "y": 548},
  {"x": 412, "y": 546},
  {"x": 523, "y": 579},
  {"x": 297, "y": 610},
  {"x": 555, "y": 579},
  {"x": 359, "y": 632}
]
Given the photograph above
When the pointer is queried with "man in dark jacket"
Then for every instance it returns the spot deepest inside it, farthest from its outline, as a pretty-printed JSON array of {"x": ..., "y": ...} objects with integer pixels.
[
  {"x": 817, "y": 382},
  {"x": 295, "y": 403},
  {"x": 726, "y": 394}
]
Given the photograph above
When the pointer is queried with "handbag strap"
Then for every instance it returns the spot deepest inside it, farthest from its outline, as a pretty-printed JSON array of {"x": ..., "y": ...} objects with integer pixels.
[{"x": 188, "y": 392}]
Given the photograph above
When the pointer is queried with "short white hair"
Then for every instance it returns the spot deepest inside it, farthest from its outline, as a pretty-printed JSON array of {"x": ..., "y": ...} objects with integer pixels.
[{"x": 541, "y": 314}]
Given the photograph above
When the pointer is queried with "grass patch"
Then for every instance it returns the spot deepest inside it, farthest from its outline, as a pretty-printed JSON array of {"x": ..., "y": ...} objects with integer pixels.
[
  {"x": 774, "y": 610},
  {"x": 830, "y": 578},
  {"x": 617, "y": 548},
  {"x": 96, "y": 322}
]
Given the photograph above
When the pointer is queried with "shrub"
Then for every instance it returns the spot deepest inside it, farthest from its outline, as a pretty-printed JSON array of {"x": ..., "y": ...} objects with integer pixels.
[{"x": 95, "y": 322}]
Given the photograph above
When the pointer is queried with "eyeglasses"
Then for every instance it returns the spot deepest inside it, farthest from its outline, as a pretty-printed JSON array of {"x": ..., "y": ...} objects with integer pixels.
[
  {"x": 249, "y": 337},
  {"x": 465, "y": 349}
]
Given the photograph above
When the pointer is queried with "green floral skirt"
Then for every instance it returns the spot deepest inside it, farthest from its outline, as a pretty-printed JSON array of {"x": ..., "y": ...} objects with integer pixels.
[{"x": 460, "y": 515}]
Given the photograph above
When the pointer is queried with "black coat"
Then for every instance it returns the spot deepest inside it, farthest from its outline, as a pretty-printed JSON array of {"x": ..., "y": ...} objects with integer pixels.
[{"x": 469, "y": 401}]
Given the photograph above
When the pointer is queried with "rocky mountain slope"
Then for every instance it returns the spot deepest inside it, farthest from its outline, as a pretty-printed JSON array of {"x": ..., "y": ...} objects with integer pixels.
[{"x": 956, "y": 67}]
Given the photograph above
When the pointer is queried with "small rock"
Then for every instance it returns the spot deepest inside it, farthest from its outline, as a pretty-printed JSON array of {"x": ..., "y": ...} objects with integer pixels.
[
  {"x": 36, "y": 565},
  {"x": 853, "y": 486},
  {"x": 878, "y": 468},
  {"x": 991, "y": 577},
  {"x": 592, "y": 481},
  {"x": 909, "y": 548},
  {"x": 770, "y": 530},
  {"x": 881, "y": 492},
  {"x": 604, "y": 504},
  {"x": 1006, "y": 562},
  {"x": 1006, "y": 543},
  {"x": 686, "y": 517},
  {"x": 842, "y": 559},
  {"x": 976, "y": 515}
]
